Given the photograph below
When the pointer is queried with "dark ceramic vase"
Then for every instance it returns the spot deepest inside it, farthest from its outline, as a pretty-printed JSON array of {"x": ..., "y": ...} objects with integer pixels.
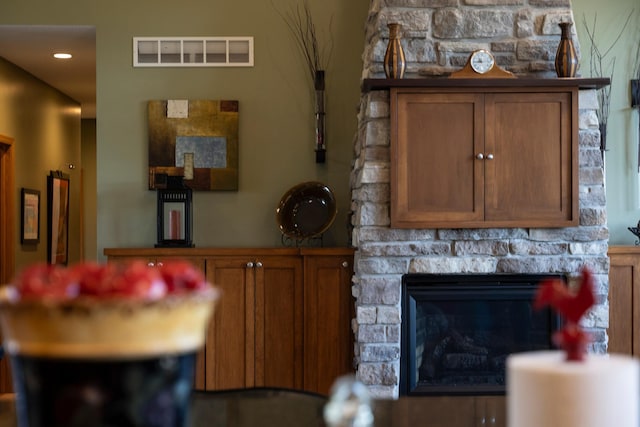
[
  {"x": 153, "y": 392},
  {"x": 394, "y": 60},
  {"x": 566, "y": 57}
]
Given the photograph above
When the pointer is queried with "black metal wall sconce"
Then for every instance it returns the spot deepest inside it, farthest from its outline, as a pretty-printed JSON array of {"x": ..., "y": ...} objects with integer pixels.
[{"x": 635, "y": 103}]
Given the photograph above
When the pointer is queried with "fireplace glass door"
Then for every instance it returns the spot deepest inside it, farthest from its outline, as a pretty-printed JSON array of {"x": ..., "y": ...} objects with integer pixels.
[{"x": 458, "y": 329}]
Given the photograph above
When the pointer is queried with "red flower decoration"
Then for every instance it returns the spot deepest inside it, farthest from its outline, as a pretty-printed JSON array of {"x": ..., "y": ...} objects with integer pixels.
[
  {"x": 573, "y": 340},
  {"x": 572, "y": 306}
]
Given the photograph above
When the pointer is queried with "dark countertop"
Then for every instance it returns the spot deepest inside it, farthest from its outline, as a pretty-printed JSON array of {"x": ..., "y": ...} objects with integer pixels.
[{"x": 284, "y": 408}]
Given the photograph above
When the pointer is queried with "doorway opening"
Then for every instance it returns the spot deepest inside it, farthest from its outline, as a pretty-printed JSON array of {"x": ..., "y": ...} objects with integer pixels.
[{"x": 7, "y": 219}]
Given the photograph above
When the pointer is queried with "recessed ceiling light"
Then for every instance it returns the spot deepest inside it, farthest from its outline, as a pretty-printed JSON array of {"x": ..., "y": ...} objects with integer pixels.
[{"x": 62, "y": 55}]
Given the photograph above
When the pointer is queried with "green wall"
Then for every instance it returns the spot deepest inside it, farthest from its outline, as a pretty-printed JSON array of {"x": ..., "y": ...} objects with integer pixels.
[
  {"x": 276, "y": 133},
  {"x": 276, "y": 112},
  {"x": 621, "y": 159}
]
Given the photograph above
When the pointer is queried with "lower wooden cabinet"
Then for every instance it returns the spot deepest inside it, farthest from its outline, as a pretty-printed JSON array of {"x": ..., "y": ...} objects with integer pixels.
[
  {"x": 624, "y": 300},
  {"x": 442, "y": 411},
  {"x": 284, "y": 319}
]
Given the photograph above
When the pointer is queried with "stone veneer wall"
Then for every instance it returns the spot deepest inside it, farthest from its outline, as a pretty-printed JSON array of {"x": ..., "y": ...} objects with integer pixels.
[{"x": 438, "y": 37}]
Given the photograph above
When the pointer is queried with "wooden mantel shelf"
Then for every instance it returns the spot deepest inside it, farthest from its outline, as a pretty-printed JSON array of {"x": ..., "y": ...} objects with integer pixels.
[{"x": 444, "y": 82}]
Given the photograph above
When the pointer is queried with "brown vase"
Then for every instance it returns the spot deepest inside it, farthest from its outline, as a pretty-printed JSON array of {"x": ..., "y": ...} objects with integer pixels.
[
  {"x": 394, "y": 61},
  {"x": 566, "y": 57}
]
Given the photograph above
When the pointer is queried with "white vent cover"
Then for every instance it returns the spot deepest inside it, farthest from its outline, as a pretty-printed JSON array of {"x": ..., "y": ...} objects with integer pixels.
[{"x": 193, "y": 51}]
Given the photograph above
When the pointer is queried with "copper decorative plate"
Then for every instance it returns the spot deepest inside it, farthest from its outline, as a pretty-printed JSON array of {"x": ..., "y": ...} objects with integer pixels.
[{"x": 306, "y": 210}]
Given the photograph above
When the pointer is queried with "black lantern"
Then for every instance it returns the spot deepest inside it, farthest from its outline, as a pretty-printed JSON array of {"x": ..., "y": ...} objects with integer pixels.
[{"x": 175, "y": 218}]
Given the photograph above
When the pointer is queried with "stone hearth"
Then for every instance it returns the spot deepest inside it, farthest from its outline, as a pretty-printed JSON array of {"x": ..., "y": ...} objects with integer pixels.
[{"x": 438, "y": 37}]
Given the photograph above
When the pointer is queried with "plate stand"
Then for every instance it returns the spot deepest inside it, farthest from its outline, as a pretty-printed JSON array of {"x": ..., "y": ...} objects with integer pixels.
[{"x": 315, "y": 241}]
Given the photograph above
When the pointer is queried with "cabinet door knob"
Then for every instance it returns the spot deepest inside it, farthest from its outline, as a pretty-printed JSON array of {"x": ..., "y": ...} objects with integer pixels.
[
  {"x": 345, "y": 264},
  {"x": 479, "y": 156},
  {"x": 159, "y": 264},
  {"x": 489, "y": 156},
  {"x": 249, "y": 264},
  {"x": 151, "y": 264},
  {"x": 258, "y": 264}
]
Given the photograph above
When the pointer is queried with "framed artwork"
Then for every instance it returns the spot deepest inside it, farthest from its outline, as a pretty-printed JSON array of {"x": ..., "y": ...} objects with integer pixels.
[
  {"x": 30, "y": 216},
  {"x": 194, "y": 139},
  {"x": 58, "y": 218}
]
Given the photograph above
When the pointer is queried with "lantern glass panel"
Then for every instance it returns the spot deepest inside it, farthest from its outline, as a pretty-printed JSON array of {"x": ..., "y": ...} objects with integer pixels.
[{"x": 174, "y": 220}]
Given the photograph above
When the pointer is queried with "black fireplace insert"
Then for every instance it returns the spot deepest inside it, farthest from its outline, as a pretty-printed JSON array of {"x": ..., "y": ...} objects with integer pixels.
[{"x": 458, "y": 329}]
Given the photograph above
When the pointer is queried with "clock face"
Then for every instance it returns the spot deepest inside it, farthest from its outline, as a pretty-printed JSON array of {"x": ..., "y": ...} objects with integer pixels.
[{"x": 482, "y": 61}]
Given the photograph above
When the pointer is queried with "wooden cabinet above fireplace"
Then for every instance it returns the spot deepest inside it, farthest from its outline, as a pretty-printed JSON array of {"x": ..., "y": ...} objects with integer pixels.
[{"x": 479, "y": 154}]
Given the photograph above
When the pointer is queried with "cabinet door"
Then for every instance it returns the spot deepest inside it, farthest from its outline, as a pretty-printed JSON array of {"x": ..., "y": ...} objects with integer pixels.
[
  {"x": 278, "y": 321},
  {"x": 229, "y": 347},
  {"x": 491, "y": 411},
  {"x": 532, "y": 177},
  {"x": 437, "y": 411},
  {"x": 199, "y": 374},
  {"x": 436, "y": 178},
  {"x": 152, "y": 260},
  {"x": 624, "y": 300},
  {"x": 328, "y": 310},
  {"x": 6, "y": 381}
]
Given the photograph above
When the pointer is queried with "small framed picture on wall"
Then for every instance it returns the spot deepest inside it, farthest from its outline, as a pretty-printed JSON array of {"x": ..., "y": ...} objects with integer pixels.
[{"x": 30, "y": 216}]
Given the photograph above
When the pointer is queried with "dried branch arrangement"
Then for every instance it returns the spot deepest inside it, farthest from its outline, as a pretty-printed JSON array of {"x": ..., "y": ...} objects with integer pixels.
[
  {"x": 636, "y": 68},
  {"x": 635, "y": 91},
  {"x": 300, "y": 23},
  {"x": 599, "y": 67}
]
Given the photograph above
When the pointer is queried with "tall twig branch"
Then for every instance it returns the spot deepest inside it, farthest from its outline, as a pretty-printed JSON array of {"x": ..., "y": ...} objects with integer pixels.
[
  {"x": 635, "y": 91},
  {"x": 598, "y": 68},
  {"x": 301, "y": 25},
  {"x": 636, "y": 69}
]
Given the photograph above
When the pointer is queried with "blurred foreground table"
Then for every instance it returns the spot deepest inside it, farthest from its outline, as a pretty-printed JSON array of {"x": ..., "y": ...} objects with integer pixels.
[{"x": 267, "y": 407}]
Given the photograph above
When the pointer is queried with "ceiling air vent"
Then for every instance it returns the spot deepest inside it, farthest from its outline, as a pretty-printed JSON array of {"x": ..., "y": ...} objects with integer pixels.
[{"x": 193, "y": 51}]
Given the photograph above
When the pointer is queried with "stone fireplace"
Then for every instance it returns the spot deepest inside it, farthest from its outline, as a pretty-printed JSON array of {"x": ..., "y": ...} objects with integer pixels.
[{"x": 438, "y": 36}]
